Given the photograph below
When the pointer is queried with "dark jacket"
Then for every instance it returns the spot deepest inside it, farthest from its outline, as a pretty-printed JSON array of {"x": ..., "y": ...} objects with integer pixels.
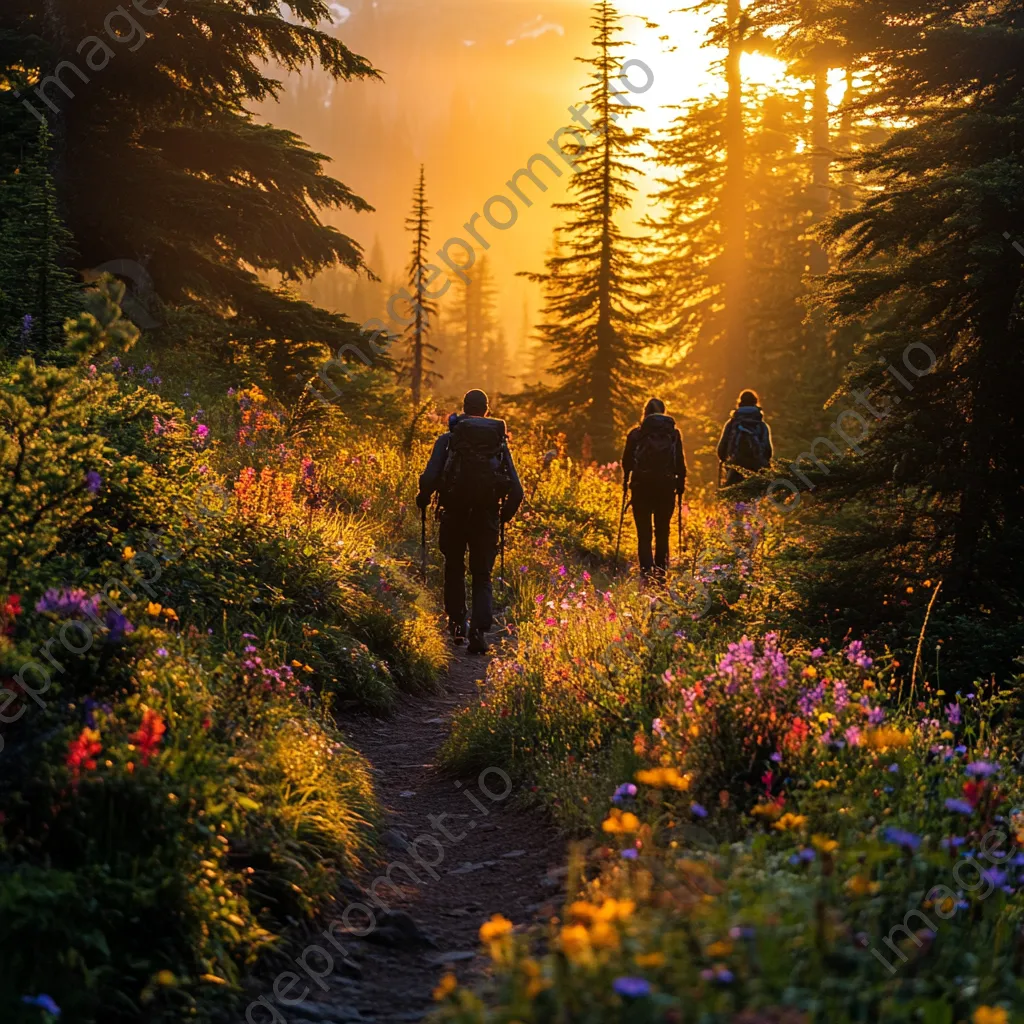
[
  {"x": 430, "y": 478},
  {"x": 656, "y": 421},
  {"x": 751, "y": 417}
]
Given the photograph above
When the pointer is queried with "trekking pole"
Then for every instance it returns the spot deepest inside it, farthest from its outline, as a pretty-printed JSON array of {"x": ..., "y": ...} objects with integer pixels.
[
  {"x": 423, "y": 541},
  {"x": 679, "y": 524},
  {"x": 721, "y": 466},
  {"x": 501, "y": 511}
]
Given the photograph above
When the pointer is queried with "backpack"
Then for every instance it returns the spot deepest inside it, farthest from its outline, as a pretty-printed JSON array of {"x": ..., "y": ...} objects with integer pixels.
[
  {"x": 654, "y": 457},
  {"x": 475, "y": 474},
  {"x": 748, "y": 447}
]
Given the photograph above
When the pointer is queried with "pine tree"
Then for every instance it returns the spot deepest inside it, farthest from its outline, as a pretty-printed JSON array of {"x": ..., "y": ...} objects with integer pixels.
[
  {"x": 596, "y": 291},
  {"x": 37, "y": 290},
  {"x": 211, "y": 200},
  {"x": 927, "y": 262},
  {"x": 420, "y": 350}
]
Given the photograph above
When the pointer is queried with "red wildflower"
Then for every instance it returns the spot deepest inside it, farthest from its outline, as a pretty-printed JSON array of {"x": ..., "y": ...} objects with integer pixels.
[
  {"x": 82, "y": 751},
  {"x": 10, "y": 609},
  {"x": 150, "y": 732},
  {"x": 973, "y": 791},
  {"x": 797, "y": 735}
]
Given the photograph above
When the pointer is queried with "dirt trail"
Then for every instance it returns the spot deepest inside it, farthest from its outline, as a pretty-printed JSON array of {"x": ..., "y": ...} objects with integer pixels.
[{"x": 456, "y": 848}]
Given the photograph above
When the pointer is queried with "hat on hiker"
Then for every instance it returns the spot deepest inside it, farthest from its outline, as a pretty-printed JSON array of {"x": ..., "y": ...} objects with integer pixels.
[
  {"x": 475, "y": 403},
  {"x": 748, "y": 398}
]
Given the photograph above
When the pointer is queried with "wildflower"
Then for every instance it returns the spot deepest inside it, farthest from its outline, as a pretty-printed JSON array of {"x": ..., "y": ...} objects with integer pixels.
[
  {"x": 201, "y": 432},
  {"x": 698, "y": 811},
  {"x": 945, "y": 735},
  {"x": 953, "y": 713},
  {"x": 802, "y": 856},
  {"x": 663, "y": 778},
  {"x": 93, "y": 482},
  {"x": 603, "y": 936},
  {"x": 68, "y": 604},
  {"x": 876, "y": 716},
  {"x": 632, "y": 988},
  {"x": 649, "y": 959},
  {"x": 885, "y": 738},
  {"x": 658, "y": 727},
  {"x": 117, "y": 625},
  {"x": 823, "y": 844},
  {"x": 44, "y": 1002},
  {"x": 128, "y": 554},
  {"x": 719, "y": 949},
  {"x": 959, "y": 806},
  {"x": 631, "y": 854},
  {"x": 822, "y": 784},
  {"x": 790, "y": 822},
  {"x": 817, "y": 653},
  {"x": 619, "y": 822},
  {"x": 860, "y": 885},
  {"x": 82, "y": 751},
  {"x": 575, "y": 942},
  {"x": 856, "y": 656},
  {"x": 893, "y": 768},
  {"x": 768, "y": 810},
  {"x": 497, "y": 928},
  {"x": 153, "y": 609},
  {"x": 445, "y": 987},
  {"x": 900, "y": 837},
  {"x": 624, "y": 792},
  {"x": 990, "y": 1015},
  {"x": 149, "y": 734},
  {"x": 982, "y": 769}
]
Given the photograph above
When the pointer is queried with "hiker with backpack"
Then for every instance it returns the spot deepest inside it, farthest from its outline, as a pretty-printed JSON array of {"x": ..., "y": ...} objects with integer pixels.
[
  {"x": 472, "y": 472},
  {"x": 746, "y": 440},
  {"x": 654, "y": 468}
]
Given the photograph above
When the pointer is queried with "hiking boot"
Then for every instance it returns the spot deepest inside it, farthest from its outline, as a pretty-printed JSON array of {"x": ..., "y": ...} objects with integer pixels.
[
  {"x": 458, "y": 631},
  {"x": 477, "y": 643}
]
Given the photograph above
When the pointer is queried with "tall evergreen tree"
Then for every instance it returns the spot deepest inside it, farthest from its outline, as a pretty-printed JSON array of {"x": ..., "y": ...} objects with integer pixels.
[
  {"x": 419, "y": 348},
  {"x": 927, "y": 261},
  {"x": 36, "y": 288},
  {"x": 596, "y": 289},
  {"x": 160, "y": 160}
]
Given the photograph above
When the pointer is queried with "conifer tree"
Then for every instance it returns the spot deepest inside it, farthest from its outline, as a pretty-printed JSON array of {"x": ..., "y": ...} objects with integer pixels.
[
  {"x": 419, "y": 348},
  {"x": 927, "y": 261},
  {"x": 211, "y": 200},
  {"x": 596, "y": 290},
  {"x": 36, "y": 288}
]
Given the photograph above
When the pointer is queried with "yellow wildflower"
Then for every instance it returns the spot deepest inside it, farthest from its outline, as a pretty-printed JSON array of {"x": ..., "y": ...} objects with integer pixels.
[
  {"x": 810, "y": 672},
  {"x": 165, "y": 978},
  {"x": 621, "y": 822},
  {"x": 128, "y": 554},
  {"x": 604, "y": 936},
  {"x": 769, "y": 810},
  {"x": 650, "y": 959},
  {"x": 153, "y": 609},
  {"x": 823, "y": 784},
  {"x": 497, "y": 928},
  {"x": 575, "y": 941},
  {"x": 823, "y": 844},
  {"x": 719, "y": 949},
  {"x": 694, "y": 731},
  {"x": 791, "y": 821},
  {"x": 861, "y": 885},
  {"x": 170, "y": 613},
  {"x": 616, "y": 910},
  {"x": 535, "y": 981},
  {"x": 663, "y": 778},
  {"x": 583, "y": 910},
  {"x": 884, "y": 738},
  {"x": 990, "y": 1015},
  {"x": 945, "y": 735},
  {"x": 446, "y": 986}
]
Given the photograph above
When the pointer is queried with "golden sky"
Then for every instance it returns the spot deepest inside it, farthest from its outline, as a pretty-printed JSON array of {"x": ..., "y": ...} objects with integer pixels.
[{"x": 472, "y": 88}]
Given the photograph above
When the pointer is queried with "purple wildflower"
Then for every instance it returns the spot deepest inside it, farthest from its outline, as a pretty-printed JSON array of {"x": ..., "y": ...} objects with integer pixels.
[
  {"x": 632, "y": 988},
  {"x": 93, "y": 482},
  {"x": 44, "y": 1002},
  {"x": 68, "y": 604},
  {"x": 630, "y": 854},
  {"x": 856, "y": 656},
  {"x": 817, "y": 653},
  {"x": 161, "y": 652},
  {"x": 982, "y": 769},
  {"x": 953, "y": 713},
  {"x": 624, "y": 792},
  {"x": 959, "y": 806},
  {"x": 118, "y": 625},
  {"x": 900, "y": 837},
  {"x": 876, "y": 716},
  {"x": 698, "y": 811}
]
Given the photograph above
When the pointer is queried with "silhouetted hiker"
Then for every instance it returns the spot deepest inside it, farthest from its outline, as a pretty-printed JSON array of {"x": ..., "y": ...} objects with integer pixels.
[
  {"x": 746, "y": 440},
  {"x": 478, "y": 491},
  {"x": 654, "y": 467}
]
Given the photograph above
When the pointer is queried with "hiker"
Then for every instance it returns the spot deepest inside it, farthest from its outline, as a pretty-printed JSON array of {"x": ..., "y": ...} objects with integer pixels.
[
  {"x": 654, "y": 467},
  {"x": 478, "y": 490},
  {"x": 746, "y": 440}
]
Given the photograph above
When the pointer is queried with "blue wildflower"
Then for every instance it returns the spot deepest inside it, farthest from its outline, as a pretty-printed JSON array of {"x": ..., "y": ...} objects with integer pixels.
[
  {"x": 900, "y": 837},
  {"x": 44, "y": 1002},
  {"x": 632, "y": 988},
  {"x": 959, "y": 806}
]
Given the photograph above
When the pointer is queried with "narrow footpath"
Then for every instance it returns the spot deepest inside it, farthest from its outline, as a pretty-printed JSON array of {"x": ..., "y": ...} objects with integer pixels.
[{"x": 457, "y": 852}]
